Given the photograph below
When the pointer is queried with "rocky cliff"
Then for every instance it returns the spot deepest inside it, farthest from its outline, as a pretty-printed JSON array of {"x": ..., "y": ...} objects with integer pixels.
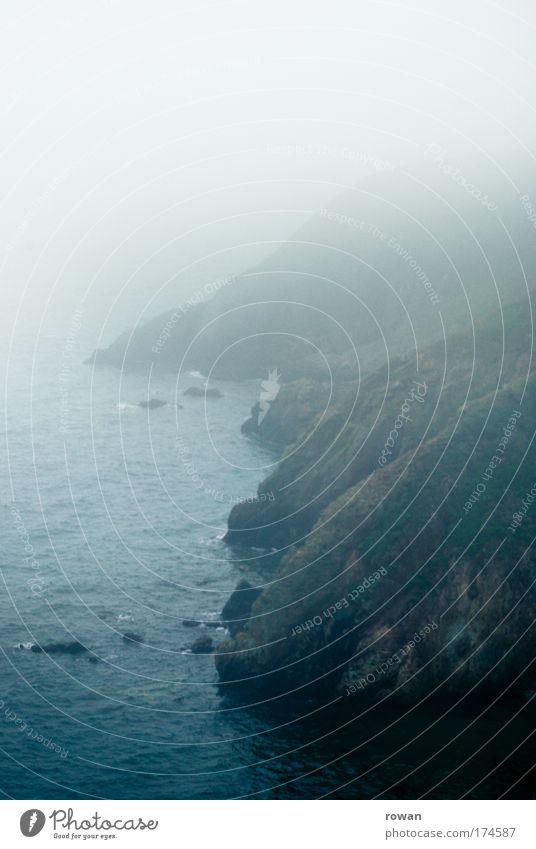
[
  {"x": 399, "y": 516},
  {"x": 406, "y": 561}
]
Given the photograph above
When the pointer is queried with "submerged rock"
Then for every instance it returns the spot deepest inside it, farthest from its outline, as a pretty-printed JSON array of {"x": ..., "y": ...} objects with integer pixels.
[
  {"x": 198, "y": 392},
  {"x": 152, "y": 403},
  {"x": 59, "y": 648},
  {"x": 203, "y": 645},
  {"x": 131, "y": 637}
]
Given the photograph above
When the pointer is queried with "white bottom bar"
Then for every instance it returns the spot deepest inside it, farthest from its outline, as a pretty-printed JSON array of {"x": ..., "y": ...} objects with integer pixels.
[{"x": 263, "y": 824}]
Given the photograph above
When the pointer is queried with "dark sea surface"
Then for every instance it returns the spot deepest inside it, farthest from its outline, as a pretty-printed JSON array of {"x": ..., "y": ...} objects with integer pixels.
[{"x": 107, "y": 529}]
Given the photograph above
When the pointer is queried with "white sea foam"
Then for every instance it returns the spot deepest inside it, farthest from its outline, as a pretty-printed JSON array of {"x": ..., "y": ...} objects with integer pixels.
[{"x": 123, "y": 407}]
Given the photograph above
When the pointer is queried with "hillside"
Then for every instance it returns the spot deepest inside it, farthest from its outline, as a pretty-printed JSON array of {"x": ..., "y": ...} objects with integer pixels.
[
  {"x": 399, "y": 319},
  {"x": 389, "y": 265}
]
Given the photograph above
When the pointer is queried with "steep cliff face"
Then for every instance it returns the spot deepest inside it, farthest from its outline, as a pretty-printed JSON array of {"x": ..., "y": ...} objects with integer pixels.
[
  {"x": 334, "y": 442},
  {"x": 410, "y": 574}
]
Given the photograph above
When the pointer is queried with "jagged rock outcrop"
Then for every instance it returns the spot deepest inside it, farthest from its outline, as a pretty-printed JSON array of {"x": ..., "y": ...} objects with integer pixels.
[
  {"x": 203, "y": 645},
  {"x": 237, "y": 609}
]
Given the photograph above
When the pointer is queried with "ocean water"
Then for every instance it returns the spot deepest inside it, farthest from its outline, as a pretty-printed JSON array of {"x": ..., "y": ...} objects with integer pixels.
[{"x": 112, "y": 522}]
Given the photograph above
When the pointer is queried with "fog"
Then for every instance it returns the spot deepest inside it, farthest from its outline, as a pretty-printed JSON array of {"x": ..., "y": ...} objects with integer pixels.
[{"x": 150, "y": 148}]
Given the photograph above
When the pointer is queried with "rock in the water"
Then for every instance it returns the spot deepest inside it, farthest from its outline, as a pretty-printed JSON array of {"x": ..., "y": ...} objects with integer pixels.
[
  {"x": 152, "y": 403},
  {"x": 131, "y": 637},
  {"x": 237, "y": 610},
  {"x": 194, "y": 623},
  {"x": 59, "y": 648},
  {"x": 203, "y": 645},
  {"x": 198, "y": 392}
]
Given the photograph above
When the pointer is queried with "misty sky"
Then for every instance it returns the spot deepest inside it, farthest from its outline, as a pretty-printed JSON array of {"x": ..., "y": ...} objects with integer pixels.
[{"x": 150, "y": 147}]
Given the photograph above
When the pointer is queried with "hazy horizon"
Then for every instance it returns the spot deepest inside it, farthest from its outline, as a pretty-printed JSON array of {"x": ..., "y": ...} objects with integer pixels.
[{"x": 146, "y": 154}]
